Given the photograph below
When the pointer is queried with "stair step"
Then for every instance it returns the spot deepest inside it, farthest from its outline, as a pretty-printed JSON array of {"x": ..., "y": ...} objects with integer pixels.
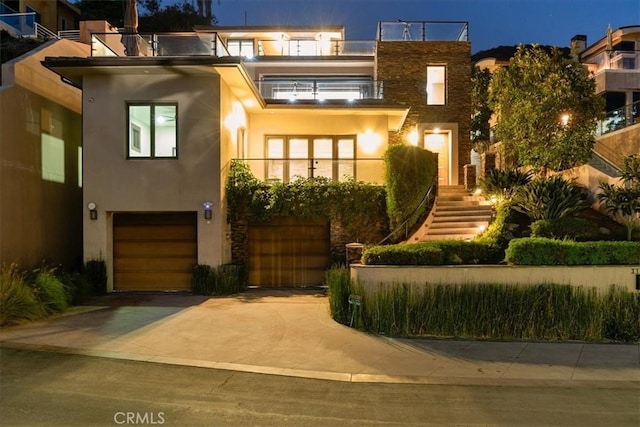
[
  {"x": 474, "y": 231},
  {"x": 436, "y": 225},
  {"x": 429, "y": 237},
  {"x": 460, "y": 198},
  {"x": 462, "y": 215},
  {"x": 461, "y": 210},
  {"x": 462, "y": 203}
]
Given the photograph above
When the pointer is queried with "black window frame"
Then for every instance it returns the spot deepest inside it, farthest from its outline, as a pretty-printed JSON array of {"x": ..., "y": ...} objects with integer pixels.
[{"x": 152, "y": 105}]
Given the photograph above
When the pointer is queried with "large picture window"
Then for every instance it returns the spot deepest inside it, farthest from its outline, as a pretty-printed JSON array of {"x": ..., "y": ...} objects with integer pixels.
[
  {"x": 436, "y": 85},
  {"x": 152, "y": 130},
  {"x": 289, "y": 157}
]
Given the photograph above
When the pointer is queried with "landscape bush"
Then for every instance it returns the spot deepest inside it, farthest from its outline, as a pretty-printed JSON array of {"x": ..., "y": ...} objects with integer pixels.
[
  {"x": 226, "y": 279},
  {"x": 553, "y": 197},
  {"x": 49, "y": 291},
  {"x": 503, "y": 184},
  {"x": 447, "y": 252},
  {"x": 574, "y": 228},
  {"x": 543, "y": 251},
  {"x": 18, "y": 301},
  {"x": 95, "y": 272},
  {"x": 489, "y": 311}
]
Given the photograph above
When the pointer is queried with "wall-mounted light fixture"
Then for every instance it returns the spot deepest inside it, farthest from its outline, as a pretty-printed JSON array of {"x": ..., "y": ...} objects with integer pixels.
[
  {"x": 207, "y": 210},
  {"x": 93, "y": 210}
]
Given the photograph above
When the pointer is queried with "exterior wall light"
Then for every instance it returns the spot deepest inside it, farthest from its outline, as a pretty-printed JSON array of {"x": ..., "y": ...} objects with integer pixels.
[
  {"x": 207, "y": 211},
  {"x": 93, "y": 211}
]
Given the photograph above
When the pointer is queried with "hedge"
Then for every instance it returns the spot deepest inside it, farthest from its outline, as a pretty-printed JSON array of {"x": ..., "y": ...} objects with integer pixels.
[
  {"x": 543, "y": 251},
  {"x": 447, "y": 252},
  {"x": 569, "y": 227}
]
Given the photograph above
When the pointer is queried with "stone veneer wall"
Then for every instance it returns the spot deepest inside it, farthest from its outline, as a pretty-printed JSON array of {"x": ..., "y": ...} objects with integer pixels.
[{"x": 402, "y": 66}]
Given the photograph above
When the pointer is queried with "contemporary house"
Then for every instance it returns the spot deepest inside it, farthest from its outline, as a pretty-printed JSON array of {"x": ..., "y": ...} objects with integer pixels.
[
  {"x": 41, "y": 18},
  {"x": 160, "y": 129},
  {"x": 615, "y": 63}
]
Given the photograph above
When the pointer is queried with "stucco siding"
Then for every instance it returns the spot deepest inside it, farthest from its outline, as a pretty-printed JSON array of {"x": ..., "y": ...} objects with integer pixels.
[{"x": 118, "y": 184}]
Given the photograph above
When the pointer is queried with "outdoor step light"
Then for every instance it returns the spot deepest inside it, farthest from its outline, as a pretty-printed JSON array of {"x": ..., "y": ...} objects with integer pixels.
[
  {"x": 207, "y": 211},
  {"x": 93, "y": 210}
]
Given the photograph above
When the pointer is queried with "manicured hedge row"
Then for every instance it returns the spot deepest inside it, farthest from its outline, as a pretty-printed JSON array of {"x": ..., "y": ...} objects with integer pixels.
[
  {"x": 574, "y": 228},
  {"x": 447, "y": 252},
  {"x": 542, "y": 251}
]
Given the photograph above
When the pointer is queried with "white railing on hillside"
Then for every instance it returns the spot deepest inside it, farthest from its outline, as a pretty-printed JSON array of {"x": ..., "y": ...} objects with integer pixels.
[
  {"x": 73, "y": 35},
  {"x": 43, "y": 32}
]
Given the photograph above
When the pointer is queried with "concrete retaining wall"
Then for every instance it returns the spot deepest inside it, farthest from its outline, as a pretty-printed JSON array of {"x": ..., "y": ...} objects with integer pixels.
[{"x": 601, "y": 277}]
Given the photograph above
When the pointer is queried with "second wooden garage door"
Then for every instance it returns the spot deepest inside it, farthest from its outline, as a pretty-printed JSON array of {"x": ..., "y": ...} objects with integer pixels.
[
  {"x": 154, "y": 252},
  {"x": 288, "y": 252}
]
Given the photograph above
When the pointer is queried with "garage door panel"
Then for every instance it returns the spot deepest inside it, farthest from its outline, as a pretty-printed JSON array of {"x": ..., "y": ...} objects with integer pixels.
[
  {"x": 289, "y": 251},
  {"x": 149, "y": 281},
  {"x": 154, "y": 264},
  {"x": 154, "y": 232},
  {"x": 154, "y": 251}
]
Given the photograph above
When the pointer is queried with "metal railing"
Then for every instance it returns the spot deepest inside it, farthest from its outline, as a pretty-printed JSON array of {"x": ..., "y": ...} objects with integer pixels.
[
  {"x": 157, "y": 44},
  {"x": 619, "y": 118},
  {"x": 370, "y": 170},
  {"x": 423, "y": 31},
  {"x": 320, "y": 89},
  {"x": 300, "y": 47},
  {"x": 73, "y": 35}
]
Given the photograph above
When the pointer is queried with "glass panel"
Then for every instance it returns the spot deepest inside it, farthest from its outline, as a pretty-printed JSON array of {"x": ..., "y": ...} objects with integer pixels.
[
  {"x": 165, "y": 131},
  {"x": 275, "y": 150},
  {"x": 346, "y": 150},
  {"x": 139, "y": 131},
  {"x": 436, "y": 85},
  {"x": 323, "y": 157},
  {"x": 298, "y": 148},
  {"x": 233, "y": 47}
]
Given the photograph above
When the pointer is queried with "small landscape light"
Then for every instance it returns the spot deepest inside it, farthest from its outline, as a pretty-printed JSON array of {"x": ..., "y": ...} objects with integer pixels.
[{"x": 207, "y": 210}]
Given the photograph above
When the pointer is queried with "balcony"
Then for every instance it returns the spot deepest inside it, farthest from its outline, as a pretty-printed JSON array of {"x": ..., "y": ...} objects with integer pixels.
[
  {"x": 320, "y": 88},
  {"x": 289, "y": 169},
  {"x": 299, "y": 47},
  {"x": 457, "y": 31},
  {"x": 614, "y": 60},
  {"x": 619, "y": 118},
  {"x": 159, "y": 44}
]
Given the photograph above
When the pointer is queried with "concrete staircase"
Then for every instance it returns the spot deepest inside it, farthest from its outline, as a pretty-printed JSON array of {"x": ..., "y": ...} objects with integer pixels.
[{"x": 455, "y": 215}]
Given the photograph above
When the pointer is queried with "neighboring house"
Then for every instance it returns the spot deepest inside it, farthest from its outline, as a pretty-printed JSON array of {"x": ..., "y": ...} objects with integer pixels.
[
  {"x": 615, "y": 62},
  {"x": 40, "y": 161},
  {"x": 20, "y": 17},
  {"x": 160, "y": 129}
]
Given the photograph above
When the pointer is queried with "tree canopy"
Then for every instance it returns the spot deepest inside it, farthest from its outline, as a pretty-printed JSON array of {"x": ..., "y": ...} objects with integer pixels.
[
  {"x": 547, "y": 110},
  {"x": 482, "y": 112},
  {"x": 153, "y": 17}
]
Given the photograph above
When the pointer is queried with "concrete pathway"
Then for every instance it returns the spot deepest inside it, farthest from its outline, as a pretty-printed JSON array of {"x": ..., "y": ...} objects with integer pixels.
[{"x": 286, "y": 332}]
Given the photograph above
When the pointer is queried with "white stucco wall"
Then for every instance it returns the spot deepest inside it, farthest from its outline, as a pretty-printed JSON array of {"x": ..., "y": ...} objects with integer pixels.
[
  {"x": 601, "y": 277},
  {"x": 118, "y": 184}
]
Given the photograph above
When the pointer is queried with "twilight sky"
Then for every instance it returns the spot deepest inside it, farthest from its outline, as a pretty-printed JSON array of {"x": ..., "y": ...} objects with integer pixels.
[{"x": 491, "y": 22}]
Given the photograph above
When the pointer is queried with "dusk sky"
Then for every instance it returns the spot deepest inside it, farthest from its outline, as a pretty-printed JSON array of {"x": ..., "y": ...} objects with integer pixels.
[{"x": 492, "y": 22}]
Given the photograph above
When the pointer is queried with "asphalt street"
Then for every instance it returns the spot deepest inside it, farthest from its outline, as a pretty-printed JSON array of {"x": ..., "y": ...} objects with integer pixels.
[{"x": 52, "y": 389}]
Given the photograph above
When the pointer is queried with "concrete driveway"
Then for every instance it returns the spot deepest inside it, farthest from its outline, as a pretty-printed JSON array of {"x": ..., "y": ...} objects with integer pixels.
[{"x": 290, "y": 332}]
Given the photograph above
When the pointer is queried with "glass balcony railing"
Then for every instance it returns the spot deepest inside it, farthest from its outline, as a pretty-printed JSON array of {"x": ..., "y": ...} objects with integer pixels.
[
  {"x": 167, "y": 44},
  {"x": 287, "y": 170},
  {"x": 315, "y": 48},
  {"x": 619, "y": 118},
  {"x": 423, "y": 31},
  {"x": 320, "y": 89},
  {"x": 23, "y": 23}
]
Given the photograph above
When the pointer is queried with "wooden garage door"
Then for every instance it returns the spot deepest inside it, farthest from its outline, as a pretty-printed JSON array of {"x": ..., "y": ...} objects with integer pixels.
[
  {"x": 288, "y": 252},
  {"x": 153, "y": 252}
]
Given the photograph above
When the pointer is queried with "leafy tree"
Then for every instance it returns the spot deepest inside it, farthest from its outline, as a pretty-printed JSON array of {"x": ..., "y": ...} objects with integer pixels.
[
  {"x": 153, "y": 16},
  {"x": 623, "y": 202},
  {"x": 482, "y": 112},
  {"x": 547, "y": 110}
]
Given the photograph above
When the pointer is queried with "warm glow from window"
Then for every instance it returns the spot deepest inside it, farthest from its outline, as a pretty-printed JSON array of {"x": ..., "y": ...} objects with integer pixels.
[
  {"x": 52, "y": 158},
  {"x": 413, "y": 138},
  {"x": 369, "y": 141},
  {"x": 435, "y": 88}
]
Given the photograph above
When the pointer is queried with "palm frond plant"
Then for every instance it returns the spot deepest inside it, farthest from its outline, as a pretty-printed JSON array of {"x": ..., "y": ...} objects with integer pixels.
[{"x": 553, "y": 197}]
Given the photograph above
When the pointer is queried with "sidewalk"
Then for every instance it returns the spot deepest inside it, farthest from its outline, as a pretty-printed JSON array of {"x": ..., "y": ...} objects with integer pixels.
[{"x": 288, "y": 332}]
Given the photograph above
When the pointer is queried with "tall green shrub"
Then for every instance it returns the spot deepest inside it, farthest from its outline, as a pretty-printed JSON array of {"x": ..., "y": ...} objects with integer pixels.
[
  {"x": 553, "y": 197},
  {"x": 50, "y": 291},
  {"x": 409, "y": 172},
  {"x": 226, "y": 279},
  {"x": 18, "y": 301},
  {"x": 96, "y": 273},
  {"x": 338, "y": 283}
]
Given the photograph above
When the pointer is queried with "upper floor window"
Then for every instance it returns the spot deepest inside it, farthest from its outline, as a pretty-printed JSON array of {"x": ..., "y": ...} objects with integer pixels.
[
  {"x": 436, "y": 85},
  {"x": 152, "y": 130},
  {"x": 240, "y": 47}
]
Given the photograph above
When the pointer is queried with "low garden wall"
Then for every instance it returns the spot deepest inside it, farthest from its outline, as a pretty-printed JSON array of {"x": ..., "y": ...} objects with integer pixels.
[{"x": 601, "y": 277}]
